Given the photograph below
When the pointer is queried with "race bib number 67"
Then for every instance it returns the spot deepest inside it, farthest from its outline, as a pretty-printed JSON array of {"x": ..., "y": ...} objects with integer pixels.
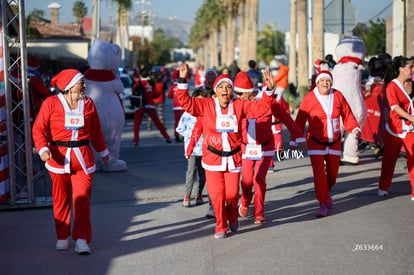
[{"x": 74, "y": 121}]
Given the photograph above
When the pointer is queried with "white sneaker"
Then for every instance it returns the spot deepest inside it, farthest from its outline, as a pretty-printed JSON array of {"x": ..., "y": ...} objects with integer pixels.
[
  {"x": 382, "y": 193},
  {"x": 62, "y": 244},
  {"x": 412, "y": 198},
  {"x": 82, "y": 247}
]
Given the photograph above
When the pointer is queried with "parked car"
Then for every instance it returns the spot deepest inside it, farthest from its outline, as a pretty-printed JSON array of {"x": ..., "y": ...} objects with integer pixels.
[{"x": 126, "y": 94}]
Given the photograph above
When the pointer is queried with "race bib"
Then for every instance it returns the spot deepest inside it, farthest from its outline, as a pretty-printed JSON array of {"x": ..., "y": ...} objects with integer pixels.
[
  {"x": 74, "y": 121},
  {"x": 226, "y": 123},
  {"x": 336, "y": 125},
  {"x": 254, "y": 152}
]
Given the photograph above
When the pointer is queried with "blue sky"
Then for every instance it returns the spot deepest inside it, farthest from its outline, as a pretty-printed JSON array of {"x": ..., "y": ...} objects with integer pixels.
[{"x": 270, "y": 11}]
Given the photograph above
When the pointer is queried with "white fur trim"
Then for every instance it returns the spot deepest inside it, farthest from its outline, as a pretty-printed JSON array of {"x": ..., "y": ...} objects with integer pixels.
[
  {"x": 323, "y": 75},
  {"x": 104, "y": 153},
  {"x": 270, "y": 92},
  {"x": 44, "y": 149},
  {"x": 74, "y": 80},
  {"x": 222, "y": 80},
  {"x": 182, "y": 86},
  {"x": 327, "y": 151},
  {"x": 241, "y": 90}
]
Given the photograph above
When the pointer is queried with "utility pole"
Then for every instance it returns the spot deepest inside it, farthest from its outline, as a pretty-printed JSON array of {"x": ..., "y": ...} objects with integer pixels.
[
  {"x": 96, "y": 20},
  {"x": 405, "y": 28},
  {"x": 143, "y": 16}
]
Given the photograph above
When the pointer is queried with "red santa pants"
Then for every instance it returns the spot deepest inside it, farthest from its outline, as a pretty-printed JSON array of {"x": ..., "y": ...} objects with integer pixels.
[
  {"x": 77, "y": 186},
  {"x": 324, "y": 178},
  {"x": 254, "y": 175},
  {"x": 223, "y": 189},
  {"x": 153, "y": 115},
  {"x": 177, "y": 116},
  {"x": 392, "y": 148}
]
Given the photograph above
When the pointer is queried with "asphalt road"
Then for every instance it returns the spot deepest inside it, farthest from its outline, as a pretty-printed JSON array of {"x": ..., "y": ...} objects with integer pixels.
[{"x": 140, "y": 226}]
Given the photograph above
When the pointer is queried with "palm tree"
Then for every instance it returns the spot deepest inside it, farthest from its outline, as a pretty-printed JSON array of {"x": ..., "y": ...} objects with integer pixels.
[
  {"x": 242, "y": 35},
  {"x": 232, "y": 11},
  {"x": 318, "y": 39},
  {"x": 303, "y": 79},
  {"x": 79, "y": 11},
  {"x": 251, "y": 35},
  {"x": 122, "y": 36},
  {"x": 292, "y": 49}
]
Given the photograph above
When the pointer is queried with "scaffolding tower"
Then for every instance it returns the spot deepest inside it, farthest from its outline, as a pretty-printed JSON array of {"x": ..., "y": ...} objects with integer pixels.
[{"x": 17, "y": 133}]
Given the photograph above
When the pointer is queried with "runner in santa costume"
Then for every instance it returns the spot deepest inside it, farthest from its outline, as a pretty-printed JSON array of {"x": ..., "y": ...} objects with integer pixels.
[
  {"x": 222, "y": 122},
  {"x": 37, "y": 86},
  {"x": 65, "y": 126},
  {"x": 322, "y": 108},
  {"x": 258, "y": 147},
  {"x": 399, "y": 128},
  {"x": 149, "y": 108}
]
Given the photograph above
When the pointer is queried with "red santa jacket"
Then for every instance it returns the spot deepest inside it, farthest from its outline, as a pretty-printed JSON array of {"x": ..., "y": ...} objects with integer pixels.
[
  {"x": 49, "y": 127},
  {"x": 172, "y": 94},
  {"x": 221, "y": 151},
  {"x": 323, "y": 134},
  {"x": 39, "y": 91},
  {"x": 276, "y": 123},
  {"x": 398, "y": 96},
  {"x": 159, "y": 96},
  {"x": 258, "y": 131}
]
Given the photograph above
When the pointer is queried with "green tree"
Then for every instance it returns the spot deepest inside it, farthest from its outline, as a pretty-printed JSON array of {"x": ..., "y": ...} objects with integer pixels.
[
  {"x": 37, "y": 13},
  {"x": 158, "y": 51},
  {"x": 30, "y": 31},
  {"x": 79, "y": 11},
  {"x": 375, "y": 38},
  {"x": 360, "y": 29},
  {"x": 270, "y": 43}
]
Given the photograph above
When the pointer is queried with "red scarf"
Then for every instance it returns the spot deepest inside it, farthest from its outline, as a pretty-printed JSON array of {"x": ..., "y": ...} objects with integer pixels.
[
  {"x": 99, "y": 75},
  {"x": 347, "y": 59}
]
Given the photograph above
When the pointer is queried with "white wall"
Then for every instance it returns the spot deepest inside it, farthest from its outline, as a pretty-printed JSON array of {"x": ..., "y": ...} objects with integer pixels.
[{"x": 397, "y": 28}]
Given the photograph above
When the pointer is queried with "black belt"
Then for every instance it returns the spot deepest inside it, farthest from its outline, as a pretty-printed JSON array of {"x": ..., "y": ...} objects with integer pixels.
[
  {"x": 325, "y": 143},
  {"x": 71, "y": 143},
  {"x": 276, "y": 122},
  {"x": 223, "y": 153},
  {"x": 263, "y": 144}
]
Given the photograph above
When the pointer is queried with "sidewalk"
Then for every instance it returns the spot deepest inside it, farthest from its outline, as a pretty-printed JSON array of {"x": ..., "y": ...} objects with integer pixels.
[{"x": 140, "y": 227}]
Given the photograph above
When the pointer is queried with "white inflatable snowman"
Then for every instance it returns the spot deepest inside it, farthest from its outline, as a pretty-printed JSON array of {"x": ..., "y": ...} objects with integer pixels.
[
  {"x": 103, "y": 85},
  {"x": 350, "y": 53}
]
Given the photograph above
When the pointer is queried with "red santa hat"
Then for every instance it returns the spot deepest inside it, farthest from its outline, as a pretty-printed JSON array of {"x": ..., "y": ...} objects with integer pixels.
[
  {"x": 323, "y": 74},
  {"x": 33, "y": 63},
  {"x": 66, "y": 79},
  {"x": 222, "y": 78},
  {"x": 243, "y": 83}
]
